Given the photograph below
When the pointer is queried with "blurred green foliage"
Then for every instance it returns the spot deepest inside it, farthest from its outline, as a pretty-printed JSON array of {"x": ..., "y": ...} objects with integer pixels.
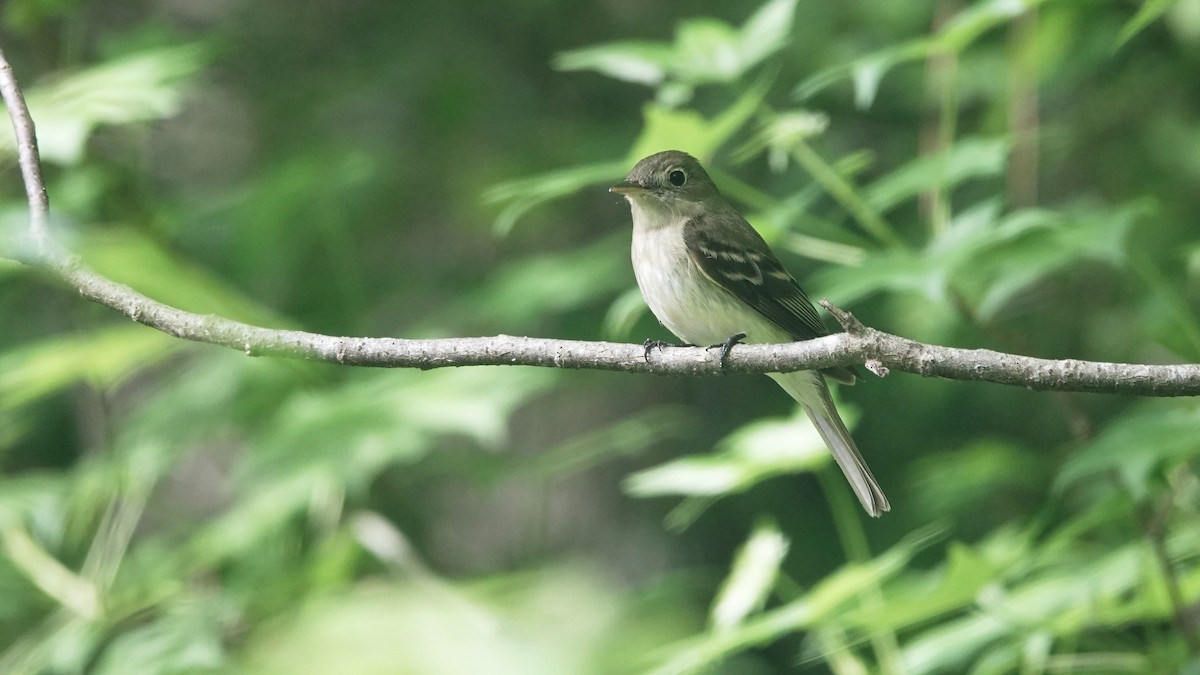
[{"x": 1020, "y": 176}]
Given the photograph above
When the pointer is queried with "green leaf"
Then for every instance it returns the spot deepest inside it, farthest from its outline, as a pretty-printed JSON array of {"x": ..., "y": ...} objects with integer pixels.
[
  {"x": 542, "y": 622},
  {"x": 102, "y": 357},
  {"x": 968, "y": 25},
  {"x": 956, "y": 34},
  {"x": 382, "y": 417},
  {"x": 708, "y": 50},
  {"x": 919, "y": 597},
  {"x": 629, "y": 436},
  {"x": 990, "y": 258},
  {"x": 188, "y": 639},
  {"x": 969, "y": 158},
  {"x": 1027, "y": 246},
  {"x": 664, "y": 128},
  {"x": 624, "y": 313},
  {"x": 751, "y": 454},
  {"x": 766, "y": 31},
  {"x": 830, "y": 596},
  {"x": 890, "y": 272},
  {"x": 72, "y": 592},
  {"x": 866, "y": 72},
  {"x": 974, "y": 475},
  {"x": 670, "y": 129},
  {"x": 704, "y": 51},
  {"x": 1136, "y": 445},
  {"x": 518, "y": 197},
  {"x": 1062, "y": 598},
  {"x": 752, "y": 576},
  {"x": 129, "y": 257},
  {"x": 521, "y": 294},
  {"x": 139, "y": 87},
  {"x": 639, "y": 62}
]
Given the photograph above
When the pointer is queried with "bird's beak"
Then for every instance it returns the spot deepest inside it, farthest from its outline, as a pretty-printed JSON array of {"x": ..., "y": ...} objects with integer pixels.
[{"x": 627, "y": 188}]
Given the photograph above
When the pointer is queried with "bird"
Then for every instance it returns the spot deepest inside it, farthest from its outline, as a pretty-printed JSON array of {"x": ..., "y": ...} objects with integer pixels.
[{"x": 710, "y": 278}]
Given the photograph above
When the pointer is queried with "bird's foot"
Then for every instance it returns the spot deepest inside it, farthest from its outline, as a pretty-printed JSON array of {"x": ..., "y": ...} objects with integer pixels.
[
  {"x": 651, "y": 344},
  {"x": 727, "y": 346}
]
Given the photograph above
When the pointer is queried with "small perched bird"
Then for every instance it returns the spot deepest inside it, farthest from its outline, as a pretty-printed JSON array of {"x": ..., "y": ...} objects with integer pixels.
[{"x": 711, "y": 280}]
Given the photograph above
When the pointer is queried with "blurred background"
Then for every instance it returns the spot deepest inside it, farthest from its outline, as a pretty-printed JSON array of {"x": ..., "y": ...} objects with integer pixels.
[{"x": 1019, "y": 176}]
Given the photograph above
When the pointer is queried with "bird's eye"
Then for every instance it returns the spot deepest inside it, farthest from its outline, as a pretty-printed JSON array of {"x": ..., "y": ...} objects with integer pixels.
[{"x": 677, "y": 177}]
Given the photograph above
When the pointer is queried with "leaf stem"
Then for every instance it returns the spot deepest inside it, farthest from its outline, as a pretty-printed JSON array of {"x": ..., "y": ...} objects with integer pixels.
[{"x": 846, "y": 194}]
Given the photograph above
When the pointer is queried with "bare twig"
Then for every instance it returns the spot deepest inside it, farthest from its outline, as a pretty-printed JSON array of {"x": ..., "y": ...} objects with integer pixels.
[
  {"x": 860, "y": 344},
  {"x": 27, "y": 152}
]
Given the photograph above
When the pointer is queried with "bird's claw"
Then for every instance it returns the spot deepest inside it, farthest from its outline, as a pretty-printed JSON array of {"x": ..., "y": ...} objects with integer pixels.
[
  {"x": 727, "y": 346},
  {"x": 651, "y": 344}
]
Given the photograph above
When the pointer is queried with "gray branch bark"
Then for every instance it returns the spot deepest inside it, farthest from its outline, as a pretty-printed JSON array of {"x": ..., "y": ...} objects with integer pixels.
[{"x": 859, "y": 344}]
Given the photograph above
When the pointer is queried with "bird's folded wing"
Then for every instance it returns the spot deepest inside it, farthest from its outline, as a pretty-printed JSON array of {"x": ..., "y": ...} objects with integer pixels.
[{"x": 747, "y": 269}]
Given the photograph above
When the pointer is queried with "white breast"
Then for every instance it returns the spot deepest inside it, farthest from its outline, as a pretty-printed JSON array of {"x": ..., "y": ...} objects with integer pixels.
[{"x": 685, "y": 301}]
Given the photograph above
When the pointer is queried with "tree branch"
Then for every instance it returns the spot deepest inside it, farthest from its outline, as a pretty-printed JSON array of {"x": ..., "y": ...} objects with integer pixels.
[{"x": 859, "y": 344}]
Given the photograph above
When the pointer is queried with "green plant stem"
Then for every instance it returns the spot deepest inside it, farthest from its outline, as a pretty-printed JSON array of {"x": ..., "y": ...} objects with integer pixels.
[
  {"x": 743, "y": 192},
  {"x": 1023, "y": 113},
  {"x": 940, "y": 125},
  {"x": 947, "y": 129},
  {"x": 1169, "y": 295},
  {"x": 846, "y": 194},
  {"x": 853, "y": 538},
  {"x": 1152, "y": 519}
]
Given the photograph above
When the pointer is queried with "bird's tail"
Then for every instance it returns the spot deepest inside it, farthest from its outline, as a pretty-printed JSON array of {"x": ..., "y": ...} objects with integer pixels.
[{"x": 810, "y": 390}]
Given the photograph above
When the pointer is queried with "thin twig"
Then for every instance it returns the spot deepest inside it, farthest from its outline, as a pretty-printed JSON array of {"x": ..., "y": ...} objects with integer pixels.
[{"x": 27, "y": 152}]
